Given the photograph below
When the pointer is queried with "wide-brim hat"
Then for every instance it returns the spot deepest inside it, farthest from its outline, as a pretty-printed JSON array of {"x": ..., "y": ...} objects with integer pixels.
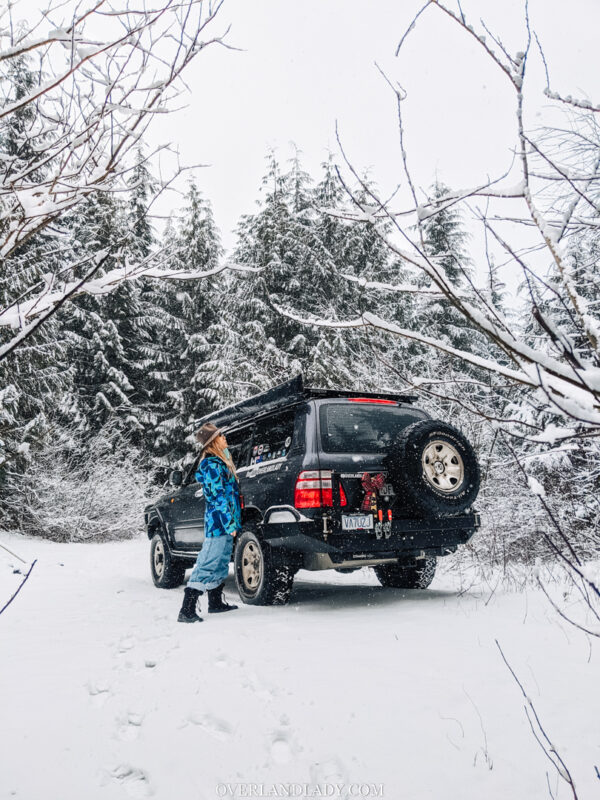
[{"x": 207, "y": 434}]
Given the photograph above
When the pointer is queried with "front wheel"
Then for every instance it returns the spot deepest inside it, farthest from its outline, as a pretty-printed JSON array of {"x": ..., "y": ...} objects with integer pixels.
[
  {"x": 167, "y": 573},
  {"x": 260, "y": 581},
  {"x": 417, "y": 574}
]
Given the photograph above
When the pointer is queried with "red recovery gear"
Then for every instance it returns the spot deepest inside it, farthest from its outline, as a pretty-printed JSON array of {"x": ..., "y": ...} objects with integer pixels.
[{"x": 371, "y": 484}]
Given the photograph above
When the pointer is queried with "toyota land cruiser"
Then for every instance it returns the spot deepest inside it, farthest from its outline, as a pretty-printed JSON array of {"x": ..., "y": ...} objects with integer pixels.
[{"x": 329, "y": 480}]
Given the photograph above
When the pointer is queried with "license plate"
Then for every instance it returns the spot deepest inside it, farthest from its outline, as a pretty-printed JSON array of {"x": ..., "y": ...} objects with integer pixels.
[{"x": 357, "y": 522}]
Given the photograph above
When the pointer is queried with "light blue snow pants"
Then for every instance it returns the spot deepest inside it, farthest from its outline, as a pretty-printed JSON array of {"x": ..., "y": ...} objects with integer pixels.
[{"x": 212, "y": 565}]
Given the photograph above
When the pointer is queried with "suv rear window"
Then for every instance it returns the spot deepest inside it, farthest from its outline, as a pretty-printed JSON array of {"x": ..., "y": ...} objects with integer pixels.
[{"x": 364, "y": 427}]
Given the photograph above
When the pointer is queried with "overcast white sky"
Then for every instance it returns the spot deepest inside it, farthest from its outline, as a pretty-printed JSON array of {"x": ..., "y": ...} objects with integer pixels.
[{"x": 306, "y": 64}]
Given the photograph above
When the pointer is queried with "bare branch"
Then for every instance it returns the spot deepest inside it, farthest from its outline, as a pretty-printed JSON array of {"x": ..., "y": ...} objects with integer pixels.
[
  {"x": 21, "y": 585},
  {"x": 542, "y": 738}
]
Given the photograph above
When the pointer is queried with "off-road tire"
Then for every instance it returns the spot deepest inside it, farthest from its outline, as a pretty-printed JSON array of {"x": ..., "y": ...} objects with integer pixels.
[
  {"x": 260, "y": 580},
  {"x": 412, "y": 463},
  {"x": 167, "y": 572},
  {"x": 415, "y": 575}
]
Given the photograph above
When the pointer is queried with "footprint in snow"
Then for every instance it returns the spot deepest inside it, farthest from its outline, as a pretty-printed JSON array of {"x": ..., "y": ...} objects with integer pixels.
[
  {"x": 280, "y": 749},
  {"x": 221, "y": 660},
  {"x": 134, "y": 781},
  {"x": 99, "y": 692},
  {"x": 215, "y": 727},
  {"x": 129, "y": 729},
  {"x": 126, "y": 644},
  {"x": 252, "y": 682},
  {"x": 330, "y": 770}
]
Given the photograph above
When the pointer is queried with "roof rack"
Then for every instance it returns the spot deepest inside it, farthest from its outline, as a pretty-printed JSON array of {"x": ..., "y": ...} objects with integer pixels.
[{"x": 287, "y": 394}]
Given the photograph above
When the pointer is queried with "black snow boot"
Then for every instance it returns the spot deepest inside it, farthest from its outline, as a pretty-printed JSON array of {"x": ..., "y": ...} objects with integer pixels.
[
  {"x": 216, "y": 602},
  {"x": 188, "y": 607}
]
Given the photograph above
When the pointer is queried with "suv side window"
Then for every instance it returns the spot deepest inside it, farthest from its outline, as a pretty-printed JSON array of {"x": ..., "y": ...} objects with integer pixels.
[
  {"x": 273, "y": 437},
  {"x": 239, "y": 443}
]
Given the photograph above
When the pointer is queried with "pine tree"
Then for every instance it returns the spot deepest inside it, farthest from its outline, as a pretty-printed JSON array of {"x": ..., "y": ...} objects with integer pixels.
[
  {"x": 445, "y": 245},
  {"x": 34, "y": 379},
  {"x": 328, "y": 196},
  {"x": 269, "y": 345},
  {"x": 284, "y": 242},
  {"x": 141, "y": 236},
  {"x": 161, "y": 360},
  {"x": 115, "y": 331},
  {"x": 359, "y": 251},
  {"x": 193, "y": 309},
  {"x": 584, "y": 277},
  {"x": 445, "y": 240},
  {"x": 102, "y": 386},
  {"x": 566, "y": 472},
  {"x": 143, "y": 329}
]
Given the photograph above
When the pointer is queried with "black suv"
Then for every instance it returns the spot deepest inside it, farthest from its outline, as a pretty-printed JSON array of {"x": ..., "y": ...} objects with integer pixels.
[{"x": 329, "y": 480}]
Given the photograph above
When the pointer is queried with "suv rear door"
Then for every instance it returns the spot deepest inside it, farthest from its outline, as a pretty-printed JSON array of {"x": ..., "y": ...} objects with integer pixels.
[{"x": 354, "y": 437}]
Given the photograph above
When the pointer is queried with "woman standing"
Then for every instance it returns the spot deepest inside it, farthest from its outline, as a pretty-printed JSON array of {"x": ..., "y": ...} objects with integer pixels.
[{"x": 222, "y": 520}]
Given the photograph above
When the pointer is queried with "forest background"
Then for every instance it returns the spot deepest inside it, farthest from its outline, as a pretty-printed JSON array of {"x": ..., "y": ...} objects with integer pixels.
[{"x": 100, "y": 401}]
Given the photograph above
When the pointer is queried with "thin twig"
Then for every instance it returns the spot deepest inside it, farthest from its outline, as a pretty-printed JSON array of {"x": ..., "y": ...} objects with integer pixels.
[{"x": 6, "y": 605}]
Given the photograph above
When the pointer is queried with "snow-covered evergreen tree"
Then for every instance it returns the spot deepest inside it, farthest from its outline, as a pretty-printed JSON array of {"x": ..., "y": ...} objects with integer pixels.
[
  {"x": 295, "y": 270},
  {"x": 112, "y": 336},
  {"x": 190, "y": 322},
  {"x": 141, "y": 236},
  {"x": 565, "y": 469},
  {"x": 268, "y": 346},
  {"x": 362, "y": 259},
  {"x": 35, "y": 379},
  {"x": 445, "y": 245},
  {"x": 102, "y": 386}
]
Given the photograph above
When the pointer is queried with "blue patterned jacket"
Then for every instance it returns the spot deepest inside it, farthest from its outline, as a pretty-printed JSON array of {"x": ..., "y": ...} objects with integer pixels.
[{"x": 223, "y": 513}]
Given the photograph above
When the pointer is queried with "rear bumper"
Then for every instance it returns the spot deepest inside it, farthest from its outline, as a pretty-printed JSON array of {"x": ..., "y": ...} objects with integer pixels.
[{"x": 407, "y": 537}]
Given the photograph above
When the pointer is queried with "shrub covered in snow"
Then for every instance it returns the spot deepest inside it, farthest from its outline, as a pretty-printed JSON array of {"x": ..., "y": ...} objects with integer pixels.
[{"x": 80, "y": 488}]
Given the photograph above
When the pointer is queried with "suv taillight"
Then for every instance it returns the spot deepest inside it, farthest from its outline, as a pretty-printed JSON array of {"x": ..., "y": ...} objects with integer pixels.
[{"x": 314, "y": 489}]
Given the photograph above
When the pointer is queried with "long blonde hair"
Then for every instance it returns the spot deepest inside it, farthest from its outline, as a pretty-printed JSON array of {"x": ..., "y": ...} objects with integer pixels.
[{"x": 213, "y": 449}]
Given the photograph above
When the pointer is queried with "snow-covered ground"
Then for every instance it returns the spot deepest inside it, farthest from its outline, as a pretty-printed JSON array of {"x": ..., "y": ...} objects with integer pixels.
[{"x": 395, "y": 694}]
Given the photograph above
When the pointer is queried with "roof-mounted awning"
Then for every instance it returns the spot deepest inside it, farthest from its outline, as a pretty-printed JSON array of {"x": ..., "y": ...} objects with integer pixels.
[{"x": 287, "y": 394}]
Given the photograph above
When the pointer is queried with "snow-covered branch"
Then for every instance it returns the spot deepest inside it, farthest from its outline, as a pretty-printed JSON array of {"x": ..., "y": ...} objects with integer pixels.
[
  {"x": 86, "y": 102},
  {"x": 27, "y": 315},
  {"x": 401, "y": 288},
  {"x": 567, "y": 376},
  {"x": 75, "y": 103},
  {"x": 585, "y": 105}
]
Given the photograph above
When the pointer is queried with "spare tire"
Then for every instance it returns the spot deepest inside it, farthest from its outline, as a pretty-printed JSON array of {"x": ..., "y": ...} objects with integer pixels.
[{"x": 433, "y": 469}]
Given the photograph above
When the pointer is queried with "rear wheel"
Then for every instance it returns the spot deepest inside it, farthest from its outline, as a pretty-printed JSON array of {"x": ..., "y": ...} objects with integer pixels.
[
  {"x": 260, "y": 580},
  {"x": 167, "y": 572},
  {"x": 417, "y": 574}
]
